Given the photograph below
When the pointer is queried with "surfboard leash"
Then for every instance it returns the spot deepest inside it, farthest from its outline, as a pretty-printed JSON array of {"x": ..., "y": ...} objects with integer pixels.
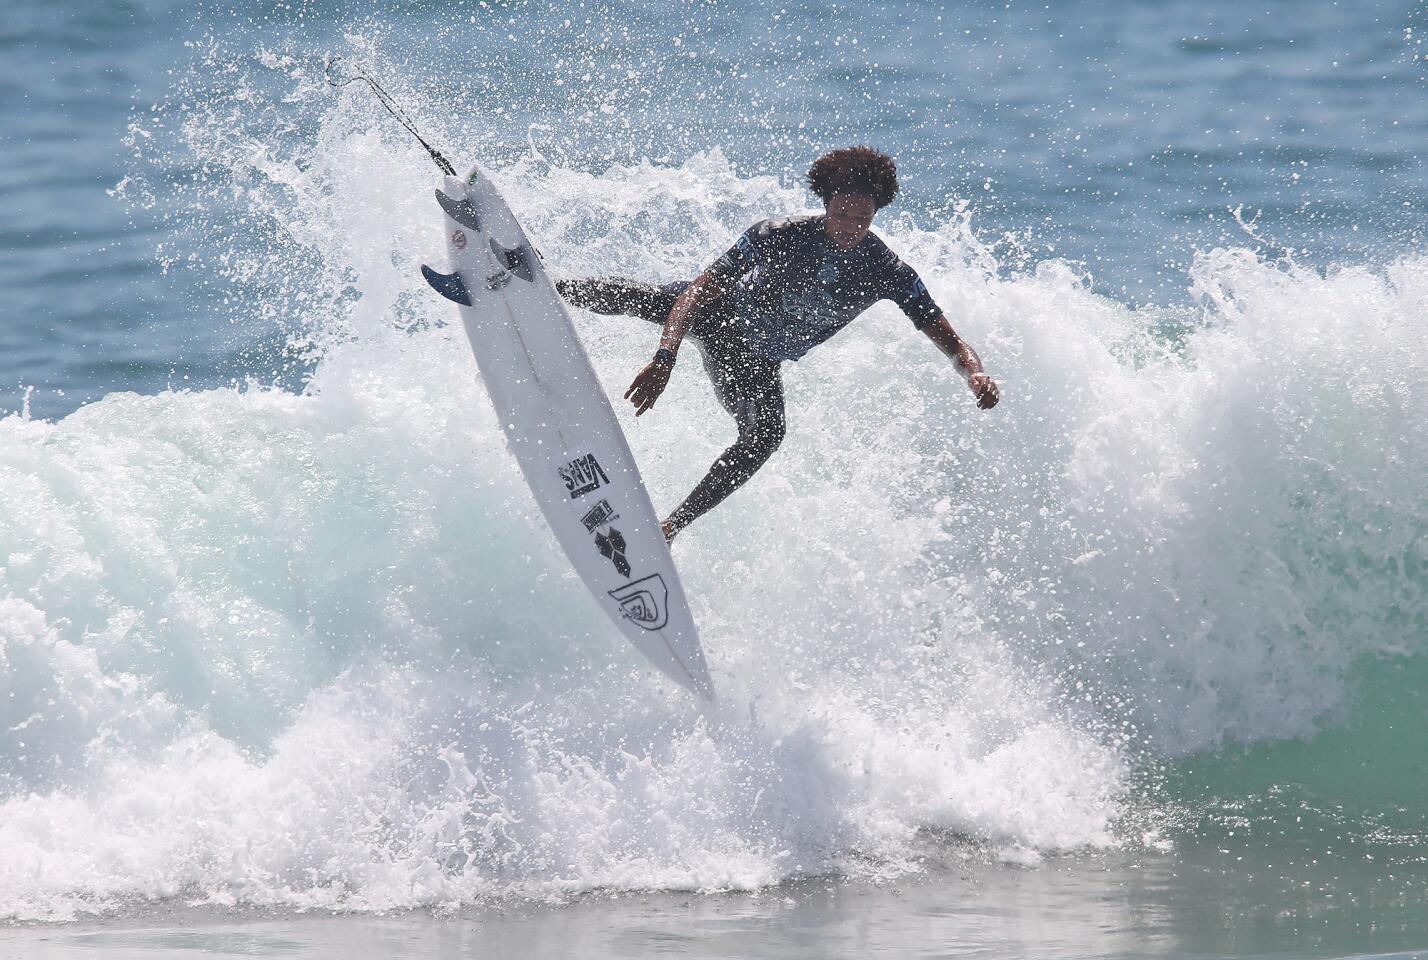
[{"x": 336, "y": 79}]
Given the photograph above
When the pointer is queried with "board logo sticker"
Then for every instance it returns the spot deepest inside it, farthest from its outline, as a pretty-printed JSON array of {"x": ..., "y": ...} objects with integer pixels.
[
  {"x": 612, "y": 547},
  {"x": 582, "y": 475},
  {"x": 644, "y": 601},
  {"x": 599, "y": 515},
  {"x": 458, "y": 239}
]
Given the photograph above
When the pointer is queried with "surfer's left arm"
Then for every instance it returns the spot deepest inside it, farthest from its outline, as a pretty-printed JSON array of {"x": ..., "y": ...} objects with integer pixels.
[
  {"x": 905, "y": 288},
  {"x": 983, "y": 387}
]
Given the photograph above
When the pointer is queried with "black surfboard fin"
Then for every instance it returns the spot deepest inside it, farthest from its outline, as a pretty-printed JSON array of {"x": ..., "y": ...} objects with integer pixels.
[
  {"x": 515, "y": 259},
  {"x": 449, "y": 285},
  {"x": 460, "y": 210}
]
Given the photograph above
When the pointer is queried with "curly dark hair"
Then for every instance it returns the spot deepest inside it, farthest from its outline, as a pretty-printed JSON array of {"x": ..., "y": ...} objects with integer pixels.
[{"x": 861, "y": 170}]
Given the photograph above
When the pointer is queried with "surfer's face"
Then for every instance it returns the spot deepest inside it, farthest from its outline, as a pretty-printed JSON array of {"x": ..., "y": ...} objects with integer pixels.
[{"x": 849, "y": 217}]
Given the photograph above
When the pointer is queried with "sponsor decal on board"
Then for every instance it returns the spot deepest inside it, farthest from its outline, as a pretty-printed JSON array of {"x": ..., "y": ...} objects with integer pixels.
[
  {"x": 612, "y": 546},
  {"x": 599, "y": 515},
  {"x": 583, "y": 475},
  {"x": 644, "y": 601}
]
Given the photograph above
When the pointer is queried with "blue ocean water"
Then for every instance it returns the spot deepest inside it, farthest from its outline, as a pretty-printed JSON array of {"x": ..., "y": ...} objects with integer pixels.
[
  {"x": 278, "y": 625},
  {"x": 1119, "y": 137}
]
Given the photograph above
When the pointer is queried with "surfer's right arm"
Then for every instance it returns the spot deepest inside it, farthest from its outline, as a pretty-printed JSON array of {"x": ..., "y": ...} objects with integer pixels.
[
  {"x": 650, "y": 382},
  {"x": 747, "y": 253}
]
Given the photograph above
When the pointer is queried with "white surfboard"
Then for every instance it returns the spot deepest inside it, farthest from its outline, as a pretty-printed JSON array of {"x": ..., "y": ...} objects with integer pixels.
[{"x": 562, "y": 429}]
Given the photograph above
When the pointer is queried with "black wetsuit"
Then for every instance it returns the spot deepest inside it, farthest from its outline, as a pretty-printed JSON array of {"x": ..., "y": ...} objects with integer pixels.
[{"x": 789, "y": 290}]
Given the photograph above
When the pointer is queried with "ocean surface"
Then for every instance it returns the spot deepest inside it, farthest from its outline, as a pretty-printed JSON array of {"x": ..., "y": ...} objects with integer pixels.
[{"x": 1134, "y": 665}]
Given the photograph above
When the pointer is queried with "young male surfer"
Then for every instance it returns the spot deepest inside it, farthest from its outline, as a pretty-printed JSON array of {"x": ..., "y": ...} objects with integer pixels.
[{"x": 783, "y": 288}]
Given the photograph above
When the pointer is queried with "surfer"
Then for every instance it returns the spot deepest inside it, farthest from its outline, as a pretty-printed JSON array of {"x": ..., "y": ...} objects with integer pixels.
[{"x": 785, "y": 286}]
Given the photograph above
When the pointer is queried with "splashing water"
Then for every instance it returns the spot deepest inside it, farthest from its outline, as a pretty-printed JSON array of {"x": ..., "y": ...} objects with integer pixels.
[{"x": 317, "y": 649}]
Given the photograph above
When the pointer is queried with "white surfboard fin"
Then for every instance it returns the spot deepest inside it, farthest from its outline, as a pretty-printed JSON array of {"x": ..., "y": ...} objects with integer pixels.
[
  {"x": 449, "y": 285},
  {"x": 460, "y": 210}
]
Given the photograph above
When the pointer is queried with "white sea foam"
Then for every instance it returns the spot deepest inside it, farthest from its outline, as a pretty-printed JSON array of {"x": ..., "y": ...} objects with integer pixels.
[{"x": 318, "y": 649}]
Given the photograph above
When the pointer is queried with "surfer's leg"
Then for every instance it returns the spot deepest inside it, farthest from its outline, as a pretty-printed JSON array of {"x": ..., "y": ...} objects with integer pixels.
[
  {"x": 751, "y": 389},
  {"x": 611, "y": 295}
]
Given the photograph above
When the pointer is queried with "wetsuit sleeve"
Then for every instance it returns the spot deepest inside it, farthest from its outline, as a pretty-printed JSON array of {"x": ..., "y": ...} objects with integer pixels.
[
  {"x": 905, "y": 288},
  {"x": 748, "y": 252}
]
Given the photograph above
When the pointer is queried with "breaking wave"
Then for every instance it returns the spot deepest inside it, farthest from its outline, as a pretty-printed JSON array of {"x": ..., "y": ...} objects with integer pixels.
[{"x": 315, "y": 648}]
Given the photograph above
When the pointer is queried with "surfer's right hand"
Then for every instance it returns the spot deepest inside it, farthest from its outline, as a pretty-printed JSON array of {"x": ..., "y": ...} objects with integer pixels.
[{"x": 648, "y": 385}]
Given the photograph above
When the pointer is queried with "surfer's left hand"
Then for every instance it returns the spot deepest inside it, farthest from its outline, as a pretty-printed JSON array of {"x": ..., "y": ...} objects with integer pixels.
[
  {"x": 648, "y": 385},
  {"x": 984, "y": 388}
]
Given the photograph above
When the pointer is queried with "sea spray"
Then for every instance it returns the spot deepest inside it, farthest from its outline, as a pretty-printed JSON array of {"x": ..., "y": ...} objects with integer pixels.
[{"x": 316, "y": 649}]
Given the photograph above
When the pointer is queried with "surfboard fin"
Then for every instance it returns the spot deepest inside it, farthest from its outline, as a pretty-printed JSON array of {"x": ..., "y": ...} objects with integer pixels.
[
  {"x": 516, "y": 259},
  {"x": 460, "y": 210},
  {"x": 449, "y": 285}
]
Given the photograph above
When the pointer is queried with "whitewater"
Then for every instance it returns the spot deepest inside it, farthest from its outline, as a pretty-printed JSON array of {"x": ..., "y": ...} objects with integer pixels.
[
  {"x": 311, "y": 648},
  {"x": 317, "y": 649}
]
